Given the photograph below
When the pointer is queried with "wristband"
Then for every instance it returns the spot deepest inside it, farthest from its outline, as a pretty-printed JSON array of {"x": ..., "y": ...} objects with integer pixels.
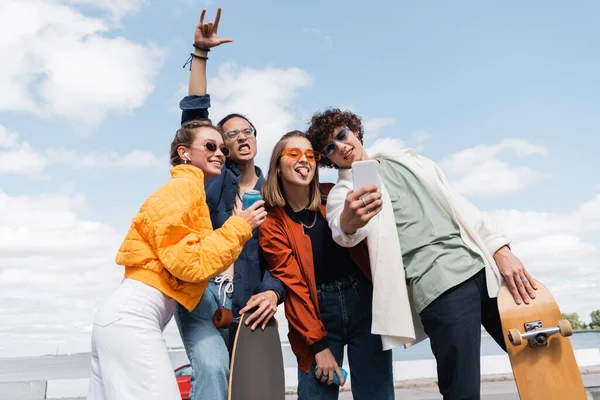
[
  {"x": 200, "y": 48},
  {"x": 192, "y": 56}
]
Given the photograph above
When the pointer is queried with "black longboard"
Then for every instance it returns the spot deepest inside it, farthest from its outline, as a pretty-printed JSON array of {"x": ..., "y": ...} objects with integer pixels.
[{"x": 257, "y": 371}]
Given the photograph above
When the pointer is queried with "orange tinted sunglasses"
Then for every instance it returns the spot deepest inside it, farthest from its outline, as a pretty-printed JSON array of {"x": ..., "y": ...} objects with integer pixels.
[{"x": 296, "y": 154}]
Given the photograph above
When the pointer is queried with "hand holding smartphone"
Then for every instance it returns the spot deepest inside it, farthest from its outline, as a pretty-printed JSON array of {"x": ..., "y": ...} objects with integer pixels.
[{"x": 364, "y": 173}]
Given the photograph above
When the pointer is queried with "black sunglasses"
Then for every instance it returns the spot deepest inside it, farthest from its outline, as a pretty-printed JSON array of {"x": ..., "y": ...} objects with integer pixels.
[
  {"x": 341, "y": 136},
  {"x": 212, "y": 146}
]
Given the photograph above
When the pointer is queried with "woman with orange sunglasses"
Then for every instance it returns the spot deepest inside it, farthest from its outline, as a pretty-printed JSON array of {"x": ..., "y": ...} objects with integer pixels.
[{"x": 328, "y": 303}]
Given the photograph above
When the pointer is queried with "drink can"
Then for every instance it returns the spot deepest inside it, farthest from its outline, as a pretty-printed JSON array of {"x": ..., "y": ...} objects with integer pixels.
[
  {"x": 250, "y": 197},
  {"x": 336, "y": 380}
]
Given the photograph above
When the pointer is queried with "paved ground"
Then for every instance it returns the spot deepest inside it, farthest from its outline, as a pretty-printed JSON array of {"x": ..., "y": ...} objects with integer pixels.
[
  {"x": 495, "y": 390},
  {"x": 498, "y": 387},
  {"x": 502, "y": 390}
]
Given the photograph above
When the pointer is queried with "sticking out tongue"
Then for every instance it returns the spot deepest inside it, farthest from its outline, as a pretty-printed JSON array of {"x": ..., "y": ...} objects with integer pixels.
[{"x": 303, "y": 172}]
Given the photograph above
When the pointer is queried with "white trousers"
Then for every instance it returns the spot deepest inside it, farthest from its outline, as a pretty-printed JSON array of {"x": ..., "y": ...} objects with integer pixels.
[{"x": 130, "y": 359}]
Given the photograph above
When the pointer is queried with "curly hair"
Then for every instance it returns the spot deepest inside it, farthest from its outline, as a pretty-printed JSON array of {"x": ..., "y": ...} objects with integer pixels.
[{"x": 322, "y": 125}]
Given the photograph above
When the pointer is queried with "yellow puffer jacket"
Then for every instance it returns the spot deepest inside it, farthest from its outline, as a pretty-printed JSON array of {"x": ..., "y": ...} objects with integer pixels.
[{"x": 171, "y": 245}]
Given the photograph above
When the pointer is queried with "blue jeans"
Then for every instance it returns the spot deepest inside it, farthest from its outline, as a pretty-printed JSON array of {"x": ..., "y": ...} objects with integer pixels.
[
  {"x": 206, "y": 346},
  {"x": 346, "y": 314},
  {"x": 453, "y": 323}
]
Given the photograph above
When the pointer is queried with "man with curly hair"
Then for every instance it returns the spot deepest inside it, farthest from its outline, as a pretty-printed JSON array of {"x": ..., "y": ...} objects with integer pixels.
[{"x": 437, "y": 261}]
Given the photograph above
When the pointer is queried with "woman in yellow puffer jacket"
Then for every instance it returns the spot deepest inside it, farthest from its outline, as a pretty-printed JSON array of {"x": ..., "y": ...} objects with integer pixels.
[{"x": 169, "y": 254}]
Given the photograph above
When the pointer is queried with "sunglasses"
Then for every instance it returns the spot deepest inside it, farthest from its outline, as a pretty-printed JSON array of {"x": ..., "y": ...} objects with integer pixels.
[
  {"x": 212, "y": 147},
  {"x": 341, "y": 137},
  {"x": 296, "y": 154}
]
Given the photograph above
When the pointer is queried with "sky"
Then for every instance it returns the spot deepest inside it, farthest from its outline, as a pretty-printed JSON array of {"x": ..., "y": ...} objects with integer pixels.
[{"x": 503, "y": 95}]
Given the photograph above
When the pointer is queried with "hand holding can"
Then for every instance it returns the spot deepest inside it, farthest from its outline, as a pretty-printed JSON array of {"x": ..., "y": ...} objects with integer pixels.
[
  {"x": 255, "y": 214},
  {"x": 250, "y": 197}
]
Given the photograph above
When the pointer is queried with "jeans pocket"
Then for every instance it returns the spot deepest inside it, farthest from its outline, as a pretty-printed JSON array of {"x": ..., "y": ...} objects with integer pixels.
[
  {"x": 107, "y": 316},
  {"x": 111, "y": 310}
]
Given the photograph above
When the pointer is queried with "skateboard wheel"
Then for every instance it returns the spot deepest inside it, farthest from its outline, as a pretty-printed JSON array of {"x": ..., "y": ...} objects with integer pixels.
[
  {"x": 515, "y": 337},
  {"x": 565, "y": 328},
  {"x": 222, "y": 318}
]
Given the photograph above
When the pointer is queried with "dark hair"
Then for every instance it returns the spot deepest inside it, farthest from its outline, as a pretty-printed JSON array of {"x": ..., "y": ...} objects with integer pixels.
[
  {"x": 231, "y": 116},
  {"x": 185, "y": 137},
  {"x": 272, "y": 190},
  {"x": 324, "y": 123}
]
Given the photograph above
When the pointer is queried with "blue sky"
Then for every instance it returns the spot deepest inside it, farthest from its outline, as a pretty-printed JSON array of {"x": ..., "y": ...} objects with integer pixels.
[{"x": 503, "y": 95}]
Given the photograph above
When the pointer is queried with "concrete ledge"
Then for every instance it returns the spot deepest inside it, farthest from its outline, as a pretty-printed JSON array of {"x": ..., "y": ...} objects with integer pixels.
[
  {"x": 67, "y": 388},
  {"x": 586, "y": 372},
  {"x": 33, "y": 390},
  {"x": 424, "y": 379},
  {"x": 593, "y": 392}
]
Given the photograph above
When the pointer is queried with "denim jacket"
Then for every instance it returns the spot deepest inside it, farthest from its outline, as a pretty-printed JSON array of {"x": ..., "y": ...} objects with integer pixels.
[{"x": 251, "y": 273}]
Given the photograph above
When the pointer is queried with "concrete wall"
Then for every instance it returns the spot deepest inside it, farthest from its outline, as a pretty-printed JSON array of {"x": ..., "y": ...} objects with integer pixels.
[{"x": 403, "y": 371}]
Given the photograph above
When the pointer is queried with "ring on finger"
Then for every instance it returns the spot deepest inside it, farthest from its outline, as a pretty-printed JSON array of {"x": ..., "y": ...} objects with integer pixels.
[
  {"x": 524, "y": 280},
  {"x": 363, "y": 201}
]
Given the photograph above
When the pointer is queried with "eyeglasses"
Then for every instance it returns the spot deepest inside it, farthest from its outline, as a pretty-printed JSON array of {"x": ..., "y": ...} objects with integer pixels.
[
  {"x": 341, "y": 137},
  {"x": 234, "y": 133},
  {"x": 296, "y": 154},
  {"x": 212, "y": 147}
]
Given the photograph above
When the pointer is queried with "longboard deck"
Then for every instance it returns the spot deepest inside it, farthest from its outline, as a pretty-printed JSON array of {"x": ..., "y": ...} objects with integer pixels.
[
  {"x": 257, "y": 371},
  {"x": 543, "y": 372}
]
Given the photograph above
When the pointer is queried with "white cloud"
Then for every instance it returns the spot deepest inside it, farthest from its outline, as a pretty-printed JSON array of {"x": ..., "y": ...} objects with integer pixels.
[
  {"x": 58, "y": 61},
  {"x": 418, "y": 138},
  {"x": 133, "y": 159},
  {"x": 21, "y": 161},
  {"x": 7, "y": 139},
  {"x": 479, "y": 172},
  {"x": 18, "y": 158},
  {"x": 373, "y": 126},
  {"x": 117, "y": 8},
  {"x": 385, "y": 145},
  {"x": 265, "y": 96},
  {"x": 56, "y": 267},
  {"x": 587, "y": 217},
  {"x": 554, "y": 248},
  {"x": 328, "y": 175}
]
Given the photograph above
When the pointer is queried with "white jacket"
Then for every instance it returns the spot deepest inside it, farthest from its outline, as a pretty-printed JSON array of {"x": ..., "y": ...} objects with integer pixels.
[{"x": 393, "y": 317}]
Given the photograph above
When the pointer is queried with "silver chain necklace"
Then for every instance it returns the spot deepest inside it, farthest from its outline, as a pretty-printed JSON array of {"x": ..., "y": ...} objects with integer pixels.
[{"x": 313, "y": 223}]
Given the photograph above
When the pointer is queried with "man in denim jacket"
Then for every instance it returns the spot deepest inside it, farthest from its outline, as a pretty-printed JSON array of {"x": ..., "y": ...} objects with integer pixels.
[{"x": 248, "y": 283}]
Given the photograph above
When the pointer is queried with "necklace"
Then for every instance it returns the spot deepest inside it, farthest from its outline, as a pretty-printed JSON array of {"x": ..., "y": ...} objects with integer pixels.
[{"x": 313, "y": 223}]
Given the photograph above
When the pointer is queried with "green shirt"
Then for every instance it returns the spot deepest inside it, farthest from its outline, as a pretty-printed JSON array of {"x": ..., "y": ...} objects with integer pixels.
[{"x": 434, "y": 255}]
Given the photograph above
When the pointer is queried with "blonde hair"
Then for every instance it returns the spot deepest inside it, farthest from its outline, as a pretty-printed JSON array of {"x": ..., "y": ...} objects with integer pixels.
[
  {"x": 273, "y": 188},
  {"x": 185, "y": 137}
]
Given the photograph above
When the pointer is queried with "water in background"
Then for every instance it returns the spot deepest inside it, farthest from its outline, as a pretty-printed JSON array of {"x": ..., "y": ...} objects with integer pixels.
[
  {"x": 422, "y": 351},
  {"x": 77, "y": 365}
]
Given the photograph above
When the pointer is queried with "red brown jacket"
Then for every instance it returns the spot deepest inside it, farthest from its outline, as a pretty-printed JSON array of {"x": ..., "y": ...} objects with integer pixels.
[{"x": 288, "y": 251}]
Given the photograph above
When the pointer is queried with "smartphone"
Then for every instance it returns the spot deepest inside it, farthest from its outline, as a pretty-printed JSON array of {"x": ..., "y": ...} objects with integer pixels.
[{"x": 364, "y": 173}]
